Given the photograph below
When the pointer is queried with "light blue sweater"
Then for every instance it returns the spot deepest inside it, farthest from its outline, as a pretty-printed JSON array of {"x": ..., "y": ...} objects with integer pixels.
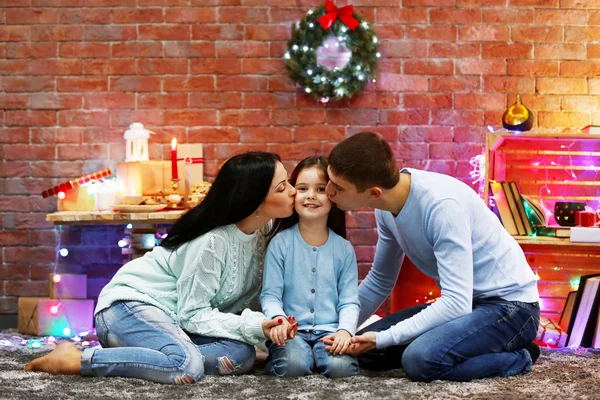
[
  {"x": 317, "y": 285},
  {"x": 450, "y": 235},
  {"x": 203, "y": 285}
]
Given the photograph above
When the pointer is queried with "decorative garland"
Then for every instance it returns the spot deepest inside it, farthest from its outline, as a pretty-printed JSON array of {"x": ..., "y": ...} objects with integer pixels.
[{"x": 353, "y": 32}]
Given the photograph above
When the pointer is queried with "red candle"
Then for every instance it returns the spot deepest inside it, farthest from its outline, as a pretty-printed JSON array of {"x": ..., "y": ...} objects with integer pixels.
[{"x": 174, "y": 159}]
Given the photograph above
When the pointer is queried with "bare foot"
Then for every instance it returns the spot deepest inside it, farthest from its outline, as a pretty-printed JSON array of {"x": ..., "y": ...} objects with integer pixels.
[{"x": 65, "y": 359}]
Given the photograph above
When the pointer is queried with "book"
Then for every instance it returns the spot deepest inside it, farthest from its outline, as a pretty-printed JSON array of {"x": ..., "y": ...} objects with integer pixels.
[
  {"x": 534, "y": 210},
  {"x": 590, "y": 328},
  {"x": 538, "y": 218},
  {"x": 584, "y": 309},
  {"x": 555, "y": 231},
  {"x": 565, "y": 317},
  {"x": 503, "y": 208},
  {"x": 582, "y": 281},
  {"x": 521, "y": 208},
  {"x": 512, "y": 204},
  {"x": 593, "y": 129},
  {"x": 596, "y": 338}
]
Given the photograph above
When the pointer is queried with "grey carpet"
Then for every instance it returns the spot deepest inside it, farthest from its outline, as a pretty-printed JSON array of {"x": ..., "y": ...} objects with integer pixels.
[{"x": 565, "y": 374}]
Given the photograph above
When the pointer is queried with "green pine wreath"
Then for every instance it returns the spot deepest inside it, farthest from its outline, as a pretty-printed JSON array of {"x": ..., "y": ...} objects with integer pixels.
[{"x": 301, "y": 57}]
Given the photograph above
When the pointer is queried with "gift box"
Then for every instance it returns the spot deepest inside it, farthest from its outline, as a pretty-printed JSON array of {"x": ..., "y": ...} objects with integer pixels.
[
  {"x": 68, "y": 286},
  {"x": 192, "y": 157},
  {"x": 584, "y": 234},
  {"x": 587, "y": 218},
  {"x": 148, "y": 178},
  {"x": 77, "y": 199},
  {"x": 42, "y": 316},
  {"x": 550, "y": 334}
]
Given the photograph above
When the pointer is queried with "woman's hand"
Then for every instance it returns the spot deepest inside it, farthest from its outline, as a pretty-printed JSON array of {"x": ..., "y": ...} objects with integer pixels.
[{"x": 337, "y": 343}]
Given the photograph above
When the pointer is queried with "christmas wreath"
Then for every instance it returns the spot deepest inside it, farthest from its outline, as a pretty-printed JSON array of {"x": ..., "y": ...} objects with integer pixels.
[{"x": 351, "y": 31}]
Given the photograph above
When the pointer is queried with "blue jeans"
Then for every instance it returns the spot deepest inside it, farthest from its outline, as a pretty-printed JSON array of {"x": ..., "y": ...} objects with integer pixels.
[
  {"x": 142, "y": 341},
  {"x": 486, "y": 343},
  {"x": 304, "y": 354}
]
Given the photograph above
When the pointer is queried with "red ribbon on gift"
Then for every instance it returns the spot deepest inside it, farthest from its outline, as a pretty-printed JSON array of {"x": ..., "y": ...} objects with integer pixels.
[
  {"x": 345, "y": 14},
  {"x": 192, "y": 160}
]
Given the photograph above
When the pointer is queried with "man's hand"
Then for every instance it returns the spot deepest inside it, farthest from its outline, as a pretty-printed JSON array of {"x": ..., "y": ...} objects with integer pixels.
[
  {"x": 362, "y": 343},
  {"x": 337, "y": 343}
]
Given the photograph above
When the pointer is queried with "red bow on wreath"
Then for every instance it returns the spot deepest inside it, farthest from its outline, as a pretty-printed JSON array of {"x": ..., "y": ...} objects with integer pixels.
[{"x": 345, "y": 14}]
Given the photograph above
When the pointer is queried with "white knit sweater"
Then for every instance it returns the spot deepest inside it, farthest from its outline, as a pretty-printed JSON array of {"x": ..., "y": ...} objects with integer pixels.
[{"x": 202, "y": 285}]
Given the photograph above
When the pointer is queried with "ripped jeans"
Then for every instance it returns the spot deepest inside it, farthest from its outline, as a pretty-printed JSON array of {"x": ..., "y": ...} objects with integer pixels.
[{"x": 141, "y": 341}]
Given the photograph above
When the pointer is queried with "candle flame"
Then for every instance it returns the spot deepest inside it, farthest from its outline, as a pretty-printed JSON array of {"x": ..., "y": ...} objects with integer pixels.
[{"x": 174, "y": 143}]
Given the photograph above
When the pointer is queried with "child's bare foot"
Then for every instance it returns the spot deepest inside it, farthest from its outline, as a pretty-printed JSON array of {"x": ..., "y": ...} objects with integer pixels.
[{"x": 64, "y": 360}]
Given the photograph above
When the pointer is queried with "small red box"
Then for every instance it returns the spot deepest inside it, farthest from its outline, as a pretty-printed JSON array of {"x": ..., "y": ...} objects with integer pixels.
[{"x": 586, "y": 218}]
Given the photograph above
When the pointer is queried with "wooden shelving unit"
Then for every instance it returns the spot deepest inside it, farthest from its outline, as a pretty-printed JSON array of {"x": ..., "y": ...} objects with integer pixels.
[{"x": 550, "y": 167}]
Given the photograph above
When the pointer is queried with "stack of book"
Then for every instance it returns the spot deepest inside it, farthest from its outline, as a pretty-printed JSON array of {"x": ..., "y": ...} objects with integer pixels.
[
  {"x": 521, "y": 215},
  {"x": 580, "y": 316}
]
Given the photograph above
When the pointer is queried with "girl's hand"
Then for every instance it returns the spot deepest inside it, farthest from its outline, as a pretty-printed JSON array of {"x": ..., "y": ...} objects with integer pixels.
[
  {"x": 293, "y": 329},
  {"x": 268, "y": 324},
  {"x": 281, "y": 330},
  {"x": 337, "y": 343}
]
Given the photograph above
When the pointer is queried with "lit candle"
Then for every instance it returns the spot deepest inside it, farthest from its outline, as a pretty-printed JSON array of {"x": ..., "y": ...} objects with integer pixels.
[{"x": 174, "y": 159}]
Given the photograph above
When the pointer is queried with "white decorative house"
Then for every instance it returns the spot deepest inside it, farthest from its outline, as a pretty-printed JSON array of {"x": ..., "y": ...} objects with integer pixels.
[{"x": 136, "y": 138}]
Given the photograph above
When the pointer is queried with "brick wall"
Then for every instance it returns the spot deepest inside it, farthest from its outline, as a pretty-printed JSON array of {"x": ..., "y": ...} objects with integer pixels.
[{"x": 75, "y": 73}]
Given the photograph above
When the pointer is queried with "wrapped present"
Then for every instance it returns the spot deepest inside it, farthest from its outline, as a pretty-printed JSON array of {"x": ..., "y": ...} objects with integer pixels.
[
  {"x": 147, "y": 178},
  {"x": 584, "y": 234},
  {"x": 192, "y": 157},
  {"x": 76, "y": 199},
  {"x": 587, "y": 218},
  {"x": 550, "y": 334},
  {"x": 68, "y": 286},
  {"x": 42, "y": 316},
  {"x": 153, "y": 178}
]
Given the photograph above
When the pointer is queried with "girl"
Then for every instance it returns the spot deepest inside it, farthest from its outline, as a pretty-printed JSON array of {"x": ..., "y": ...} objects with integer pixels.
[
  {"x": 172, "y": 315},
  {"x": 311, "y": 273}
]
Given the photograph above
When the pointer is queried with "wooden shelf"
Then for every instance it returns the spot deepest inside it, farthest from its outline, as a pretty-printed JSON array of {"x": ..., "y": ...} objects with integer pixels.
[
  {"x": 549, "y": 240},
  {"x": 112, "y": 218}
]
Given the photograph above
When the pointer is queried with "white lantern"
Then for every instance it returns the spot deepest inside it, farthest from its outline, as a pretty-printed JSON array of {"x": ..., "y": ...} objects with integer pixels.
[{"x": 136, "y": 140}]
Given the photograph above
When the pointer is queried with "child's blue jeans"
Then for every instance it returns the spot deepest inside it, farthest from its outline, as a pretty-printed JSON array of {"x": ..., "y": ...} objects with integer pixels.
[{"x": 305, "y": 354}]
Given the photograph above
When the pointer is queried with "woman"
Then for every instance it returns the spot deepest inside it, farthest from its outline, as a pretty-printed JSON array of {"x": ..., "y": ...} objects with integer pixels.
[{"x": 193, "y": 286}]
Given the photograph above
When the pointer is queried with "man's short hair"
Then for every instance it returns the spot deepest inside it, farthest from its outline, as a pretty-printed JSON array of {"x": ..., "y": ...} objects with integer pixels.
[{"x": 365, "y": 160}]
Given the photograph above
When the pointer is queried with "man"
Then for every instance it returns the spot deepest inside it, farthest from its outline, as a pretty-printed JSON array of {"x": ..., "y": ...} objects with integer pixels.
[{"x": 488, "y": 313}]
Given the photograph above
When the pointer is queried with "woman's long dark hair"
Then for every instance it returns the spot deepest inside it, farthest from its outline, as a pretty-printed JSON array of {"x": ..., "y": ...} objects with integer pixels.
[
  {"x": 337, "y": 218},
  {"x": 239, "y": 188}
]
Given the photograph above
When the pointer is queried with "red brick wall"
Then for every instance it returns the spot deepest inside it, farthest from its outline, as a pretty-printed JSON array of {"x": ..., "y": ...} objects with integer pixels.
[{"x": 75, "y": 73}]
